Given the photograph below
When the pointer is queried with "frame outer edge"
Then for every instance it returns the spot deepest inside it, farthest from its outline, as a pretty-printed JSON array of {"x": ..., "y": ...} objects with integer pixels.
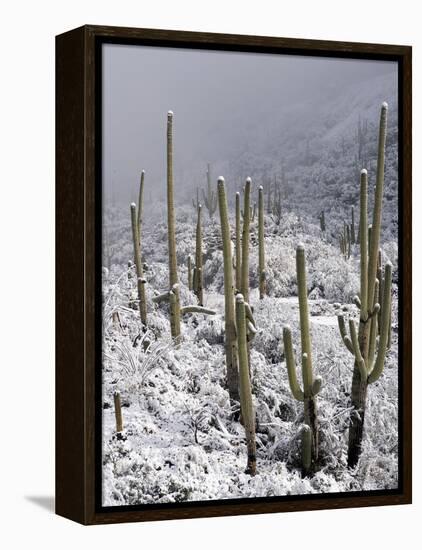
[
  {"x": 75, "y": 277},
  {"x": 70, "y": 376}
]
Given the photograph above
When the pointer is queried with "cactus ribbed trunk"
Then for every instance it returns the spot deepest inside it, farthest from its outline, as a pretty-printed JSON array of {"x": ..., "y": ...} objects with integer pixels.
[
  {"x": 245, "y": 242},
  {"x": 173, "y": 279},
  {"x": 261, "y": 244},
  {"x": 198, "y": 260},
  {"x": 229, "y": 308},
  {"x": 138, "y": 264},
  {"x": 140, "y": 206},
  {"x": 238, "y": 245},
  {"x": 246, "y": 404},
  {"x": 170, "y": 204}
]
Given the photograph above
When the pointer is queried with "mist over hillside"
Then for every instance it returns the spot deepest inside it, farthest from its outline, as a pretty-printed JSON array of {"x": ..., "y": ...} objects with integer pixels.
[{"x": 263, "y": 116}]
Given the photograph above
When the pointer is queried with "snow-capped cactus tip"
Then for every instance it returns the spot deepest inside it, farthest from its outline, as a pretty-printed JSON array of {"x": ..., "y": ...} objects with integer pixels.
[
  {"x": 363, "y": 172},
  {"x": 170, "y": 113},
  {"x": 300, "y": 246},
  {"x": 239, "y": 297},
  {"x": 260, "y": 188},
  {"x": 132, "y": 206},
  {"x": 220, "y": 180},
  {"x": 248, "y": 180},
  {"x": 385, "y": 105}
]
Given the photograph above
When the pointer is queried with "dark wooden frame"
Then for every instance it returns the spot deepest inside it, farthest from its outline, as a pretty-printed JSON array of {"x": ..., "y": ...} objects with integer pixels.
[{"x": 77, "y": 214}]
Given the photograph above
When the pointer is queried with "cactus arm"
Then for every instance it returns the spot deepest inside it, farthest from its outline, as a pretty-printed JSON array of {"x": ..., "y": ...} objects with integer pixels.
[
  {"x": 291, "y": 365},
  {"x": 358, "y": 356},
  {"x": 356, "y": 301},
  {"x": 245, "y": 243},
  {"x": 249, "y": 314},
  {"x": 379, "y": 188},
  {"x": 363, "y": 244},
  {"x": 197, "y": 309},
  {"x": 373, "y": 331},
  {"x": 343, "y": 334},
  {"x": 378, "y": 367},
  {"x": 316, "y": 385}
]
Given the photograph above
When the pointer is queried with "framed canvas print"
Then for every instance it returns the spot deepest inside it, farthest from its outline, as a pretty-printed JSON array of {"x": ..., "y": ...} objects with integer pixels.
[{"x": 233, "y": 274}]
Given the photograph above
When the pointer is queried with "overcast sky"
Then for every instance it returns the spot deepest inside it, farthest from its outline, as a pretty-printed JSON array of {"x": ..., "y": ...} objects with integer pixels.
[{"x": 220, "y": 101}]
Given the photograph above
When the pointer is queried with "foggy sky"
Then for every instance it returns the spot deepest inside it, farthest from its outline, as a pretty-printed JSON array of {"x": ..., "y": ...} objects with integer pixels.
[{"x": 221, "y": 101}]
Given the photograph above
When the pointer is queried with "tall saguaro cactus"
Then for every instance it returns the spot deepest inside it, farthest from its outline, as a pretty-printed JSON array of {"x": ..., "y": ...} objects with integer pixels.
[
  {"x": 244, "y": 286},
  {"x": 210, "y": 198},
  {"x": 173, "y": 278},
  {"x": 246, "y": 404},
  {"x": 173, "y": 294},
  {"x": 238, "y": 245},
  {"x": 138, "y": 264},
  {"x": 311, "y": 385},
  {"x": 362, "y": 342},
  {"x": 229, "y": 309},
  {"x": 261, "y": 244}
]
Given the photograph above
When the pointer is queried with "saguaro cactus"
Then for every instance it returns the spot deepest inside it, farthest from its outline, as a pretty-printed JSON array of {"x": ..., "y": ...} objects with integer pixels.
[
  {"x": 210, "y": 198},
  {"x": 246, "y": 404},
  {"x": 173, "y": 278},
  {"x": 138, "y": 264},
  {"x": 173, "y": 294},
  {"x": 229, "y": 315},
  {"x": 261, "y": 244},
  {"x": 238, "y": 245},
  {"x": 311, "y": 385},
  {"x": 362, "y": 343},
  {"x": 245, "y": 242},
  {"x": 140, "y": 206},
  {"x": 197, "y": 275}
]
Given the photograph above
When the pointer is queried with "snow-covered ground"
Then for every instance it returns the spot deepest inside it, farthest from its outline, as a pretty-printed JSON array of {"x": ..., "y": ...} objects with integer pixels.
[{"x": 180, "y": 442}]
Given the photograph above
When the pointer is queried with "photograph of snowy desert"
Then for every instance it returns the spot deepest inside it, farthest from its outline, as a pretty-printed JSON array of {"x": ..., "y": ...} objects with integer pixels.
[{"x": 250, "y": 277}]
